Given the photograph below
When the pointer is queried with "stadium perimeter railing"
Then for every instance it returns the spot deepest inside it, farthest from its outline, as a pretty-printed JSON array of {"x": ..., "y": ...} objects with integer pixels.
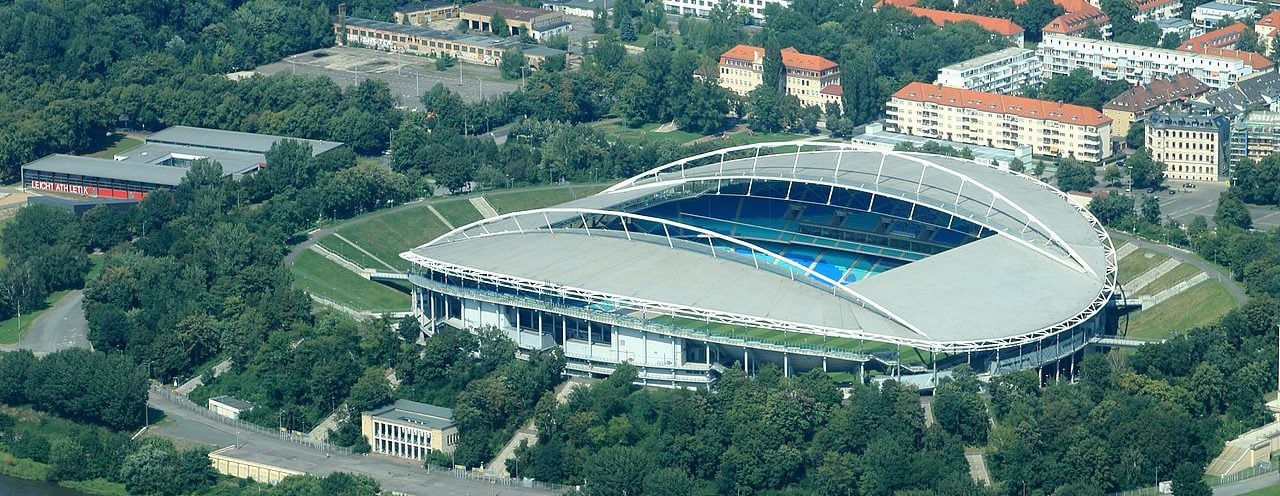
[
  {"x": 1249, "y": 473},
  {"x": 459, "y": 473},
  {"x": 185, "y": 403}
]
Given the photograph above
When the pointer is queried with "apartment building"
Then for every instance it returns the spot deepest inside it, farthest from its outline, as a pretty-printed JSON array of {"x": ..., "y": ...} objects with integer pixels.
[
  {"x": 1003, "y": 27},
  {"x": 1060, "y": 54},
  {"x": 421, "y": 13},
  {"x": 1075, "y": 22},
  {"x": 1139, "y": 101},
  {"x": 1005, "y": 71},
  {"x": 1255, "y": 136},
  {"x": 1226, "y": 37},
  {"x": 809, "y": 77},
  {"x": 1208, "y": 15},
  {"x": 474, "y": 49},
  {"x": 702, "y": 8},
  {"x": 1000, "y": 121},
  {"x": 1155, "y": 10},
  {"x": 1192, "y": 142},
  {"x": 1266, "y": 28},
  {"x": 408, "y": 429}
]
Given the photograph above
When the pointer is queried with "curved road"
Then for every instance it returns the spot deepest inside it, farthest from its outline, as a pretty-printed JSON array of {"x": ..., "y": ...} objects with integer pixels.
[
  {"x": 61, "y": 326},
  {"x": 1214, "y": 272}
]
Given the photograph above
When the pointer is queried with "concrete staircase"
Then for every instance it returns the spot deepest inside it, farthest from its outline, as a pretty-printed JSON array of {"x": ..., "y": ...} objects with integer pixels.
[{"x": 484, "y": 207}]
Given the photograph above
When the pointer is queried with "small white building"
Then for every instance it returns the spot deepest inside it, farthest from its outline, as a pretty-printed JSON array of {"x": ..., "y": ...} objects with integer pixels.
[
  {"x": 1006, "y": 71},
  {"x": 577, "y": 8},
  {"x": 229, "y": 406},
  {"x": 1185, "y": 29},
  {"x": 1207, "y": 16},
  {"x": 702, "y": 8}
]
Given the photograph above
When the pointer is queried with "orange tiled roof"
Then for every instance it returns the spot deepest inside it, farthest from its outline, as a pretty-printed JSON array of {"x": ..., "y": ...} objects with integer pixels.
[
  {"x": 743, "y": 52},
  {"x": 902, "y": 4},
  {"x": 1003, "y": 27},
  {"x": 1256, "y": 61},
  {"x": 1075, "y": 21},
  {"x": 793, "y": 58},
  {"x": 1218, "y": 38},
  {"x": 1002, "y": 104},
  {"x": 833, "y": 89},
  {"x": 1272, "y": 19}
]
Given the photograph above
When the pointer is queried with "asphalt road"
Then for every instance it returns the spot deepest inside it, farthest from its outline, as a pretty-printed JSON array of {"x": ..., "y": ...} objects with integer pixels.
[
  {"x": 403, "y": 476},
  {"x": 61, "y": 326},
  {"x": 1187, "y": 203},
  {"x": 1247, "y": 485}
]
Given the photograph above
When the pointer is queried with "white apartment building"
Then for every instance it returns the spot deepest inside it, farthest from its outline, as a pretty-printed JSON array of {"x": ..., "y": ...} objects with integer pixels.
[
  {"x": 1207, "y": 16},
  {"x": 702, "y": 8},
  {"x": 1060, "y": 54},
  {"x": 1000, "y": 121},
  {"x": 1006, "y": 71}
]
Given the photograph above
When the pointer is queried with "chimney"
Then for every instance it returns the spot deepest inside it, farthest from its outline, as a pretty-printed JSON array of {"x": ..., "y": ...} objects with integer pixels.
[
  {"x": 342, "y": 10},
  {"x": 342, "y": 25}
]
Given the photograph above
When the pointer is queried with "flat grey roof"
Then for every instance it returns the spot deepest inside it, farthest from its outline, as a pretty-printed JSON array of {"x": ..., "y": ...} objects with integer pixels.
[
  {"x": 232, "y": 402},
  {"x": 230, "y": 140},
  {"x": 998, "y": 287},
  {"x": 413, "y": 412},
  {"x": 470, "y": 39},
  {"x": 982, "y": 60},
  {"x": 102, "y": 167}
]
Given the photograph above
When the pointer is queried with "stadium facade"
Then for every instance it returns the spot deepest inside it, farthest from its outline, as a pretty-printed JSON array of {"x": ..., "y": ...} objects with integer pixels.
[{"x": 800, "y": 254}]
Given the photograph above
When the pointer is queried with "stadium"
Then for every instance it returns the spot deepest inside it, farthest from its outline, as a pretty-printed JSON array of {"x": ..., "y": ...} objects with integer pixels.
[{"x": 804, "y": 255}]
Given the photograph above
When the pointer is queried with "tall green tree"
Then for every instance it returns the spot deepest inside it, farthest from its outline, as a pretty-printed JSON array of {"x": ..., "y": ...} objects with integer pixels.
[
  {"x": 1231, "y": 210},
  {"x": 862, "y": 98},
  {"x": 498, "y": 25}
]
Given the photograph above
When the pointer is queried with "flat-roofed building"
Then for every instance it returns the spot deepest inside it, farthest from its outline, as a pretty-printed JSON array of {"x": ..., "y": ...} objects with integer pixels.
[
  {"x": 537, "y": 23},
  {"x": 1060, "y": 54},
  {"x": 473, "y": 49},
  {"x": 1000, "y": 121},
  {"x": 421, "y": 13},
  {"x": 408, "y": 429},
  {"x": 1192, "y": 142},
  {"x": 702, "y": 8},
  {"x": 229, "y": 406},
  {"x": 1209, "y": 14},
  {"x": 1005, "y": 71},
  {"x": 1183, "y": 28},
  {"x": 1255, "y": 136},
  {"x": 1003, "y": 27},
  {"x": 1139, "y": 101},
  {"x": 576, "y": 8},
  {"x": 808, "y": 77},
  {"x": 161, "y": 161}
]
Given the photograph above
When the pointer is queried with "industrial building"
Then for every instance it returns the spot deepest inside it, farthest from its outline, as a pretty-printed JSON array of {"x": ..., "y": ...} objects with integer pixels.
[
  {"x": 160, "y": 162},
  {"x": 536, "y": 23},
  {"x": 804, "y": 255},
  {"x": 469, "y": 48},
  {"x": 421, "y": 13},
  {"x": 1000, "y": 121}
]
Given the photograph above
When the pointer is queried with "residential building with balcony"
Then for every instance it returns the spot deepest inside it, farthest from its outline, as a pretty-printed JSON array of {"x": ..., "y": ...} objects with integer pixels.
[
  {"x": 1075, "y": 22},
  {"x": 1155, "y": 10},
  {"x": 1255, "y": 136},
  {"x": 1226, "y": 37},
  {"x": 1000, "y": 121},
  {"x": 1208, "y": 15},
  {"x": 1139, "y": 101},
  {"x": 1192, "y": 142},
  {"x": 1060, "y": 54},
  {"x": 1184, "y": 28},
  {"x": 1266, "y": 28},
  {"x": 1006, "y": 71}
]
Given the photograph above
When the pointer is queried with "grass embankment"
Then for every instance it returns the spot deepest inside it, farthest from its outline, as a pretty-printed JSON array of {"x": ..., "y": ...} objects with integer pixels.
[
  {"x": 517, "y": 200},
  {"x": 458, "y": 212},
  {"x": 1266, "y": 491},
  {"x": 389, "y": 235},
  {"x": 1180, "y": 273},
  {"x": 350, "y": 252},
  {"x": 326, "y": 279},
  {"x": 1200, "y": 305},
  {"x": 1138, "y": 263}
]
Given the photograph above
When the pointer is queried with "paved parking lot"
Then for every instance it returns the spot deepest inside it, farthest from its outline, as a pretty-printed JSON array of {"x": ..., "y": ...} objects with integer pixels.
[
  {"x": 409, "y": 75},
  {"x": 1188, "y": 202}
]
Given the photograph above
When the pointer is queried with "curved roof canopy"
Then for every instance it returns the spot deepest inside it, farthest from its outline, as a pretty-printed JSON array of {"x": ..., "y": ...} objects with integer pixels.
[{"x": 1049, "y": 265}]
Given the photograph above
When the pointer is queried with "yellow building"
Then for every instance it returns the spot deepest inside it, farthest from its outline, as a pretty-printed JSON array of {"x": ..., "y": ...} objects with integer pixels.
[
  {"x": 1000, "y": 121},
  {"x": 230, "y": 461},
  {"x": 812, "y": 79},
  {"x": 409, "y": 429},
  {"x": 537, "y": 23},
  {"x": 421, "y": 13},
  {"x": 1135, "y": 103},
  {"x": 1192, "y": 143}
]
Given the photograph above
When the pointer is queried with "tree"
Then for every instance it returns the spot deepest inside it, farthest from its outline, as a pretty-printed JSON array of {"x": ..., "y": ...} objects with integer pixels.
[
  {"x": 626, "y": 31},
  {"x": 1038, "y": 171},
  {"x": 1074, "y": 175},
  {"x": 1231, "y": 210},
  {"x": 445, "y": 61},
  {"x": 1170, "y": 41},
  {"x": 616, "y": 471},
  {"x": 862, "y": 98},
  {"x": 370, "y": 391},
  {"x": 1151, "y": 209},
  {"x": 1112, "y": 209},
  {"x": 1144, "y": 172},
  {"x": 1016, "y": 165},
  {"x": 1188, "y": 480},
  {"x": 1035, "y": 13},
  {"x": 1136, "y": 137},
  {"x": 1111, "y": 175},
  {"x": 498, "y": 25},
  {"x": 704, "y": 108},
  {"x": 600, "y": 22},
  {"x": 409, "y": 328},
  {"x": 764, "y": 110},
  {"x": 513, "y": 64},
  {"x": 958, "y": 407},
  {"x": 772, "y": 67}
]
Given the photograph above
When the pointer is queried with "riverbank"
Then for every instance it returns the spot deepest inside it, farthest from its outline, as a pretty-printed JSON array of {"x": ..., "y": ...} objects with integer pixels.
[{"x": 16, "y": 468}]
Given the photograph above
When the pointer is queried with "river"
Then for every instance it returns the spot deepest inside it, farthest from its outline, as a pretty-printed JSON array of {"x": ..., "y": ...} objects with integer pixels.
[{"x": 10, "y": 486}]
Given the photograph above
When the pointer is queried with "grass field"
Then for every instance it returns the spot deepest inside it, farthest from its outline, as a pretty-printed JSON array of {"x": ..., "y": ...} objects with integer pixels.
[
  {"x": 458, "y": 212},
  {"x": 332, "y": 243},
  {"x": 516, "y": 200},
  {"x": 100, "y": 487},
  {"x": 1266, "y": 491},
  {"x": 1137, "y": 263},
  {"x": 1178, "y": 274},
  {"x": 389, "y": 235},
  {"x": 328, "y": 280},
  {"x": 113, "y": 144},
  {"x": 1200, "y": 305}
]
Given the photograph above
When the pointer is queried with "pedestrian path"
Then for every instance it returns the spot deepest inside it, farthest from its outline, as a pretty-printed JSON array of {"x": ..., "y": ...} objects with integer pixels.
[
  {"x": 1135, "y": 286},
  {"x": 338, "y": 259},
  {"x": 1125, "y": 250},
  {"x": 484, "y": 207}
]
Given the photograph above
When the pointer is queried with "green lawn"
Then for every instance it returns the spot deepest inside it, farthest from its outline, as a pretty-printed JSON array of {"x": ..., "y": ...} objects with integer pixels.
[
  {"x": 3, "y": 259},
  {"x": 621, "y": 132},
  {"x": 1266, "y": 491},
  {"x": 387, "y": 236},
  {"x": 326, "y": 279},
  {"x": 1201, "y": 305},
  {"x": 332, "y": 243},
  {"x": 1178, "y": 274},
  {"x": 458, "y": 212},
  {"x": 100, "y": 487},
  {"x": 9, "y": 331},
  {"x": 114, "y": 144},
  {"x": 749, "y": 138},
  {"x": 516, "y": 200},
  {"x": 1137, "y": 263}
]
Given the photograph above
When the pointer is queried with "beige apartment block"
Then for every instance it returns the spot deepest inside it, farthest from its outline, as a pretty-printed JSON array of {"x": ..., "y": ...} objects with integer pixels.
[{"x": 812, "y": 79}]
